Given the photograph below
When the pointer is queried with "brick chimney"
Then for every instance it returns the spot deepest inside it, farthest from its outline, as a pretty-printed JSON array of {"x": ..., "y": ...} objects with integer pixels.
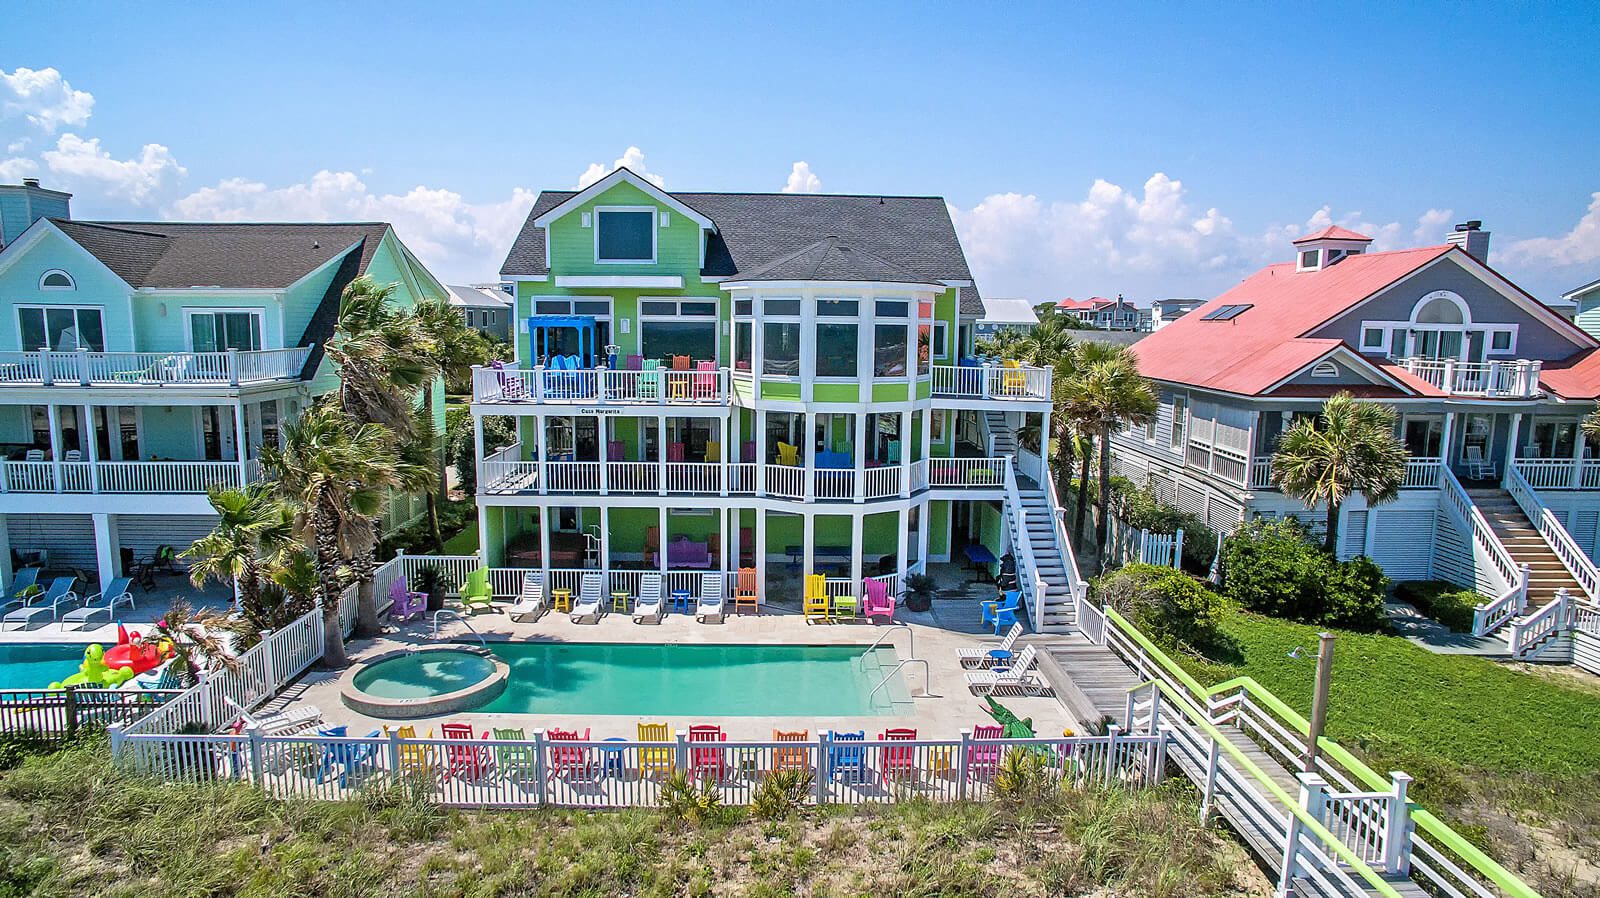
[{"x": 1470, "y": 236}]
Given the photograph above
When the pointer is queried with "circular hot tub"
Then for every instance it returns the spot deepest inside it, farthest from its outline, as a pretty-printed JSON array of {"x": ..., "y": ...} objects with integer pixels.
[{"x": 424, "y": 682}]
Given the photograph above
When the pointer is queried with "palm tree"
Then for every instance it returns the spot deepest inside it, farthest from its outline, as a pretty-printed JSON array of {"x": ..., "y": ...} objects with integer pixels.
[
  {"x": 337, "y": 473},
  {"x": 452, "y": 347},
  {"x": 1104, "y": 398},
  {"x": 254, "y": 529},
  {"x": 1350, "y": 448},
  {"x": 1075, "y": 423},
  {"x": 384, "y": 358},
  {"x": 1046, "y": 344},
  {"x": 1591, "y": 425}
]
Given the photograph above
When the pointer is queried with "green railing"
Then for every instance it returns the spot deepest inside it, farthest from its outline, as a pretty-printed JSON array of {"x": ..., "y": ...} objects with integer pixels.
[{"x": 1424, "y": 820}]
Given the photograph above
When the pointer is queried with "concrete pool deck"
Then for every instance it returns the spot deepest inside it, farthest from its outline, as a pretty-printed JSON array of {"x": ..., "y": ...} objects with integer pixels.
[{"x": 937, "y": 635}]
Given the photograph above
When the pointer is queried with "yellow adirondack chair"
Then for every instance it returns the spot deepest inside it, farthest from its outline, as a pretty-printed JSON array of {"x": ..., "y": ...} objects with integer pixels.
[
  {"x": 415, "y": 760},
  {"x": 1011, "y": 377},
  {"x": 816, "y": 599},
  {"x": 657, "y": 762},
  {"x": 713, "y": 451},
  {"x": 788, "y": 455}
]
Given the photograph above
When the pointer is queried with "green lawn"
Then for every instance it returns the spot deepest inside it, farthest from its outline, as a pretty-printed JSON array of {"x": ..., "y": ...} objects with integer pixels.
[{"x": 463, "y": 543}]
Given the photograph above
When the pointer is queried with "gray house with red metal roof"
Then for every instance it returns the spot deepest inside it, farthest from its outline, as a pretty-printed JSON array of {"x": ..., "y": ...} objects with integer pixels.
[{"x": 1502, "y": 491}]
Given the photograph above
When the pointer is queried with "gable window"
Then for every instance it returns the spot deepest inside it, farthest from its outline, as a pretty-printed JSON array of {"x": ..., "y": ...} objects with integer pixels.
[
  {"x": 219, "y": 331},
  {"x": 56, "y": 279},
  {"x": 60, "y": 328},
  {"x": 1325, "y": 369},
  {"x": 625, "y": 235}
]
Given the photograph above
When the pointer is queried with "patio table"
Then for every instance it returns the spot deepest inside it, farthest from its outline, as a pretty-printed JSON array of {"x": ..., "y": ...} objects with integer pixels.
[
  {"x": 619, "y": 600},
  {"x": 614, "y": 761},
  {"x": 562, "y": 599},
  {"x": 680, "y": 601}
]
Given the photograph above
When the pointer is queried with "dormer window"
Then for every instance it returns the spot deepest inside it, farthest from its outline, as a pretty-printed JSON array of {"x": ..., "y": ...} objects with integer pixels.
[
  {"x": 1320, "y": 250},
  {"x": 1310, "y": 259},
  {"x": 56, "y": 279},
  {"x": 625, "y": 235}
]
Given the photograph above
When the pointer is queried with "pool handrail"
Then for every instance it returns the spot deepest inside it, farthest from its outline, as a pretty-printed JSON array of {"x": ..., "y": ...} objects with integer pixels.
[
  {"x": 464, "y": 622},
  {"x": 911, "y": 645}
]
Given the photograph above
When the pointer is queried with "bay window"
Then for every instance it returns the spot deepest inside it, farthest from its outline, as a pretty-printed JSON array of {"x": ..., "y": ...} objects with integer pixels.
[
  {"x": 836, "y": 350},
  {"x": 889, "y": 350},
  {"x": 61, "y": 328},
  {"x": 780, "y": 348}
]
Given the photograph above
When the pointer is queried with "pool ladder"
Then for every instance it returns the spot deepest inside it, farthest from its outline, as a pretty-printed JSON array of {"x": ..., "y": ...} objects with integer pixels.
[
  {"x": 911, "y": 648},
  {"x": 464, "y": 622}
]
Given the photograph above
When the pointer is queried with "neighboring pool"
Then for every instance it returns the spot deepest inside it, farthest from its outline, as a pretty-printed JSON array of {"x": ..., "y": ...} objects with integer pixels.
[
  {"x": 695, "y": 680},
  {"x": 424, "y": 674},
  {"x": 31, "y": 665}
]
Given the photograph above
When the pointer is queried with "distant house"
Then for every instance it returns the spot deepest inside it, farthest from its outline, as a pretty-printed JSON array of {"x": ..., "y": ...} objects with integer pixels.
[
  {"x": 485, "y": 308},
  {"x": 1102, "y": 314},
  {"x": 1165, "y": 311},
  {"x": 1006, "y": 314},
  {"x": 1583, "y": 307}
]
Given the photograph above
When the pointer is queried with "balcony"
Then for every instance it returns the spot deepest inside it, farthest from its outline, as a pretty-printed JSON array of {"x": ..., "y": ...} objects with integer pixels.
[
  {"x": 1509, "y": 379},
  {"x": 1421, "y": 473},
  {"x": 545, "y": 386},
  {"x": 992, "y": 382},
  {"x": 1560, "y": 473},
  {"x": 127, "y": 477},
  {"x": 150, "y": 369}
]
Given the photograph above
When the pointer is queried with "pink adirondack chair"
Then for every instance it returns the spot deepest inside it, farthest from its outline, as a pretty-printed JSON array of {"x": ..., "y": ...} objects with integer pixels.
[
  {"x": 707, "y": 762},
  {"x": 569, "y": 760},
  {"x": 470, "y": 762},
  {"x": 898, "y": 762},
  {"x": 674, "y": 452},
  {"x": 877, "y": 602},
  {"x": 984, "y": 760},
  {"x": 705, "y": 379}
]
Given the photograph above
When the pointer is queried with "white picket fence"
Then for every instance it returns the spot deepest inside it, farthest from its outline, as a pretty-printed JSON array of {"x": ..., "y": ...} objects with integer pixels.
[
  {"x": 540, "y": 770},
  {"x": 1125, "y": 545}
]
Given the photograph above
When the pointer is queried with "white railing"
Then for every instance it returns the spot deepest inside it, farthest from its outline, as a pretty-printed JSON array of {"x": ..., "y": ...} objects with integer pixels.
[
  {"x": 600, "y": 386},
  {"x": 573, "y": 476},
  {"x": 1481, "y": 535},
  {"x": 1514, "y": 379},
  {"x": 154, "y": 477},
  {"x": 694, "y": 477},
  {"x": 786, "y": 481},
  {"x": 1530, "y": 636},
  {"x": 1261, "y": 473},
  {"x": 992, "y": 382},
  {"x": 1029, "y": 582},
  {"x": 633, "y": 476},
  {"x": 1560, "y": 473},
  {"x": 84, "y": 368},
  {"x": 881, "y": 483},
  {"x": 1421, "y": 473},
  {"x": 834, "y": 483},
  {"x": 1574, "y": 559},
  {"x": 979, "y": 472},
  {"x": 742, "y": 478}
]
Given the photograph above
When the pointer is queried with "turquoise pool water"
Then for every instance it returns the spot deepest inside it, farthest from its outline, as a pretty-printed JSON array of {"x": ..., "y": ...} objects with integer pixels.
[
  {"x": 424, "y": 674},
  {"x": 30, "y": 665},
  {"x": 695, "y": 680}
]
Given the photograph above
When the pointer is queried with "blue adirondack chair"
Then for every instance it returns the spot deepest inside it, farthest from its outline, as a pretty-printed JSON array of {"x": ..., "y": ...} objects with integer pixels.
[
  {"x": 1002, "y": 613},
  {"x": 850, "y": 760}
]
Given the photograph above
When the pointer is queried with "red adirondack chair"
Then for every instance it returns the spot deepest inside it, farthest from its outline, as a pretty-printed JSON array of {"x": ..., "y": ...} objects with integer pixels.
[
  {"x": 898, "y": 762},
  {"x": 469, "y": 762},
  {"x": 708, "y": 762},
  {"x": 571, "y": 761}
]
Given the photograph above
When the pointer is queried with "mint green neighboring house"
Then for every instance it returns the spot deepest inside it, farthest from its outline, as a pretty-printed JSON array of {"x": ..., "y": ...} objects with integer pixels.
[
  {"x": 758, "y": 384},
  {"x": 143, "y": 362},
  {"x": 1585, "y": 308}
]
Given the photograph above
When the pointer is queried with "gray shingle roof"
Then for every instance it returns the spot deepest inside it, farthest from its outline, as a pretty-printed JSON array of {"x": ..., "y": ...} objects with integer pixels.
[
  {"x": 830, "y": 259},
  {"x": 913, "y": 234},
  {"x": 191, "y": 254}
]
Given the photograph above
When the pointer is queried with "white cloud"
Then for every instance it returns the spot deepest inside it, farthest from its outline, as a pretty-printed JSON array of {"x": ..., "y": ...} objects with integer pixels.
[
  {"x": 12, "y": 170},
  {"x": 632, "y": 159},
  {"x": 44, "y": 98},
  {"x": 1579, "y": 246},
  {"x": 1430, "y": 224},
  {"x": 802, "y": 180},
  {"x": 82, "y": 163},
  {"x": 458, "y": 241}
]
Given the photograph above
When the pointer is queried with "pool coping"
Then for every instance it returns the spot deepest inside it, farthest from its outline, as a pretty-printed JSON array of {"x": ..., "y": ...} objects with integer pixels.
[{"x": 480, "y": 693}]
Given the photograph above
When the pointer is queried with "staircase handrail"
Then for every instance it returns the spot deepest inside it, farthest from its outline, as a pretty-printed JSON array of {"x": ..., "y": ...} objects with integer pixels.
[
  {"x": 1549, "y": 620},
  {"x": 1028, "y": 579},
  {"x": 1058, "y": 525},
  {"x": 1554, "y": 533},
  {"x": 1468, "y": 514}
]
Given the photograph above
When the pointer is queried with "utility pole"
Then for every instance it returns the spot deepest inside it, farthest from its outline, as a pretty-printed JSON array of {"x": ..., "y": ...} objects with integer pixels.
[{"x": 1319, "y": 701}]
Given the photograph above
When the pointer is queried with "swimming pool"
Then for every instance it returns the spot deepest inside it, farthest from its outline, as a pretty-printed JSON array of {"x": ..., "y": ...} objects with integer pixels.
[
  {"x": 703, "y": 680},
  {"x": 31, "y": 665}
]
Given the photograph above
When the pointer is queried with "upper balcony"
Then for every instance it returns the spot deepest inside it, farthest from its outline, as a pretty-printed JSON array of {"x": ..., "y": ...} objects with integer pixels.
[
  {"x": 600, "y": 386},
  {"x": 1507, "y": 379},
  {"x": 83, "y": 368},
  {"x": 1004, "y": 382}
]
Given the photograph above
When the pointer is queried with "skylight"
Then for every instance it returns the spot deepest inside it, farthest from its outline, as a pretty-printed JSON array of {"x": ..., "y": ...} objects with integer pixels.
[{"x": 1225, "y": 313}]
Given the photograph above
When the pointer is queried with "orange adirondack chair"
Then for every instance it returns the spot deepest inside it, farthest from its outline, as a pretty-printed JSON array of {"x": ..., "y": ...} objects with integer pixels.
[
  {"x": 745, "y": 595},
  {"x": 790, "y": 758}
]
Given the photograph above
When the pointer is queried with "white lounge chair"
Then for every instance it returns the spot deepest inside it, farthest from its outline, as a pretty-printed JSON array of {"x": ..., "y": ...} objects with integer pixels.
[
  {"x": 531, "y": 604},
  {"x": 708, "y": 606},
  {"x": 24, "y": 584},
  {"x": 1019, "y": 677},
  {"x": 54, "y": 599},
  {"x": 982, "y": 655},
  {"x": 649, "y": 606},
  {"x": 287, "y": 723},
  {"x": 1477, "y": 467},
  {"x": 588, "y": 610},
  {"x": 102, "y": 604}
]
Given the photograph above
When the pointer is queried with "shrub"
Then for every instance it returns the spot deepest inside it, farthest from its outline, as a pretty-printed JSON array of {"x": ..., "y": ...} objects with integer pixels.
[
  {"x": 498, "y": 432},
  {"x": 780, "y": 793},
  {"x": 1273, "y": 567},
  {"x": 1167, "y": 605},
  {"x": 1142, "y": 510},
  {"x": 1443, "y": 601},
  {"x": 919, "y": 592}
]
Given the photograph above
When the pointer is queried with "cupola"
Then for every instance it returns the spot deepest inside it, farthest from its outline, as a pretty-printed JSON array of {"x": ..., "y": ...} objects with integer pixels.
[{"x": 1320, "y": 249}]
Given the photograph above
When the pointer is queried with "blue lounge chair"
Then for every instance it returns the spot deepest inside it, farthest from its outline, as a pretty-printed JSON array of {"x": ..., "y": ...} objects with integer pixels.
[
  {"x": 850, "y": 760},
  {"x": 102, "y": 604},
  {"x": 24, "y": 584},
  {"x": 1002, "y": 613},
  {"x": 55, "y": 599}
]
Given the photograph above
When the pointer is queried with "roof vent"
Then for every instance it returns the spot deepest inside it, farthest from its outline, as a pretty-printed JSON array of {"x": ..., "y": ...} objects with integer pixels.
[
  {"x": 1470, "y": 236},
  {"x": 30, "y": 182},
  {"x": 316, "y": 244}
]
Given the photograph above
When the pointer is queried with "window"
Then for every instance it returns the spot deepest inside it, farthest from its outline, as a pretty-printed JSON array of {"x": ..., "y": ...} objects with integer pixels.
[
  {"x": 892, "y": 308},
  {"x": 1180, "y": 418},
  {"x": 1501, "y": 341},
  {"x": 668, "y": 327},
  {"x": 625, "y": 235},
  {"x": 60, "y": 328},
  {"x": 742, "y": 346},
  {"x": 780, "y": 350},
  {"x": 889, "y": 350},
  {"x": 836, "y": 350},
  {"x": 924, "y": 348},
  {"x": 1310, "y": 258},
  {"x": 941, "y": 340},
  {"x": 220, "y": 331},
  {"x": 838, "y": 308},
  {"x": 743, "y": 307},
  {"x": 56, "y": 279},
  {"x": 1372, "y": 338},
  {"x": 780, "y": 307}
]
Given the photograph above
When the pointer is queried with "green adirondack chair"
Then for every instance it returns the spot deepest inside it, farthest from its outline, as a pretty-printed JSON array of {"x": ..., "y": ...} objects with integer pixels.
[{"x": 475, "y": 593}]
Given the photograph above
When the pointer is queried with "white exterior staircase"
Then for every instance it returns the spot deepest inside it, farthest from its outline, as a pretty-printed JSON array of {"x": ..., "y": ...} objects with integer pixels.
[{"x": 1046, "y": 567}]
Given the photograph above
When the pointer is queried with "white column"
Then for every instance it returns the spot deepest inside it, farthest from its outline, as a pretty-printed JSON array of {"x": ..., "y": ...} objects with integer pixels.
[
  {"x": 6, "y": 569},
  {"x": 239, "y": 440},
  {"x": 902, "y": 562},
  {"x": 725, "y": 444},
  {"x": 605, "y": 550},
  {"x": 905, "y": 450},
  {"x": 661, "y": 541},
  {"x": 761, "y": 554},
  {"x": 861, "y": 456},
  {"x": 105, "y": 547},
  {"x": 924, "y": 521},
  {"x": 857, "y": 526},
  {"x": 541, "y": 442},
  {"x": 661, "y": 455},
  {"x": 1577, "y": 461},
  {"x": 1445, "y": 436},
  {"x": 808, "y": 539},
  {"x": 55, "y": 445},
  {"x": 808, "y": 346},
  {"x": 1044, "y": 444},
  {"x": 544, "y": 536},
  {"x": 86, "y": 430},
  {"x": 758, "y": 417},
  {"x": 808, "y": 449},
  {"x": 601, "y": 427},
  {"x": 927, "y": 432},
  {"x": 483, "y": 530},
  {"x": 477, "y": 449},
  {"x": 722, "y": 524},
  {"x": 1513, "y": 437}
]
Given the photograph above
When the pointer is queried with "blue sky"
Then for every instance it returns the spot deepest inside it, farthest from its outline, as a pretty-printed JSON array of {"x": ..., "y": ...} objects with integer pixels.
[{"x": 1163, "y": 150}]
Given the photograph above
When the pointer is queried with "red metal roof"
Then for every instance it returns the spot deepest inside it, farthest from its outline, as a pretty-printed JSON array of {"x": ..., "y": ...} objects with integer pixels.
[
  {"x": 1574, "y": 377},
  {"x": 1093, "y": 302},
  {"x": 1266, "y": 343},
  {"x": 1334, "y": 232}
]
